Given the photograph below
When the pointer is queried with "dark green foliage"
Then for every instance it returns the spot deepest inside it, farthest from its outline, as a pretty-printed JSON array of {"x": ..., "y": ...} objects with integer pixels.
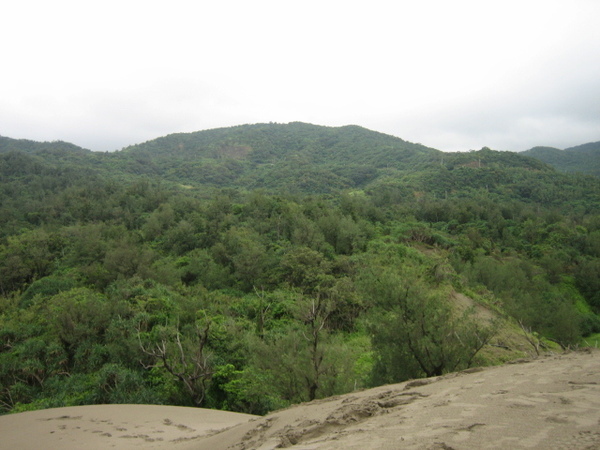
[
  {"x": 46, "y": 287},
  {"x": 587, "y": 279},
  {"x": 250, "y": 267},
  {"x": 415, "y": 330},
  {"x": 583, "y": 158}
]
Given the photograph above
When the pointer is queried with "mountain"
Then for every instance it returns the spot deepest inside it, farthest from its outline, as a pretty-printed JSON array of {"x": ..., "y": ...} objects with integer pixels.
[
  {"x": 24, "y": 145},
  {"x": 302, "y": 157},
  {"x": 293, "y": 158},
  {"x": 55, "y": 152},
  {"x": 268, "y": 143},
  {"x": 582, "y": 158},
  {"x": 297, "y": 157}
]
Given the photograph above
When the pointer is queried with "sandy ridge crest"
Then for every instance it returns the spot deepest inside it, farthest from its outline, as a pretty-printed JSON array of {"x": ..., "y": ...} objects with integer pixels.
[
  {"x": 112, "y": 426},
  {"x": 550, "y": 403}
]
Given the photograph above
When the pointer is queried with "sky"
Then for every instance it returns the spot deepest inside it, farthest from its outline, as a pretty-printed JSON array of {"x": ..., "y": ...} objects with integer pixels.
[{"x": 452, "y": 75}]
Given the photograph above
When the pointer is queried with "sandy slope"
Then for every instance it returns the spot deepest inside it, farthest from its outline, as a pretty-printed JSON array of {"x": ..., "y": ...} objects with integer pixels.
[
  {"x": 112, "y": 426},
  {"x": 552, "y": 402},
  {"x": 547, "y": 403}
]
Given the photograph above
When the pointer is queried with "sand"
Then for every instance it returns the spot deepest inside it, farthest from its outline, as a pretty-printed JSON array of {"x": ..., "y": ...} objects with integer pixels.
[
  {"x": 112, "y": 426},
  {"x": 547, "y": 403}
]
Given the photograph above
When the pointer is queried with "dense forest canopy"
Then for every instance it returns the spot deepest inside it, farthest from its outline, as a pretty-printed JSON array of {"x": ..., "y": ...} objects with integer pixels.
[
  {"x": 251, "y": 267},
  {"x": 582, "y": 158}
]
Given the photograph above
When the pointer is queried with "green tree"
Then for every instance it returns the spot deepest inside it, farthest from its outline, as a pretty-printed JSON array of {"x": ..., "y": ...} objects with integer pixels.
[{"x": 415, "y": 330}]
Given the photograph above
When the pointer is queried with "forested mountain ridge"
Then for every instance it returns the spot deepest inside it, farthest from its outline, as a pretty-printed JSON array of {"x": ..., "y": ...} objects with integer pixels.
[
  {"x": 296, "y": 158},
  {"x": 272, "y": 144},
  {"x": 25, "y": 145},
  {"x": 582, "y": 158},
  {"x": 251, "y": 267},
  {"x": 267, "y": 143}
]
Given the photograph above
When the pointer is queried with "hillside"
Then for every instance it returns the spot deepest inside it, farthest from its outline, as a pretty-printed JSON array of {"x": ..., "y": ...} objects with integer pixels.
[
  {"x": 253, "y": 267},
  {"x": 297, "y": 157},
  {"x": 24, "y": 145},
  {"x": 582, "y": 158},
  {"x": 292, "y": 158}
]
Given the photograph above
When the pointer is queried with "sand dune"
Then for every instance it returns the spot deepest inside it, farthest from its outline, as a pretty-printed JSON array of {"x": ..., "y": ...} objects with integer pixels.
[
  {"x": 547, "y": 403},
  {"x": 112, "y": 426}
]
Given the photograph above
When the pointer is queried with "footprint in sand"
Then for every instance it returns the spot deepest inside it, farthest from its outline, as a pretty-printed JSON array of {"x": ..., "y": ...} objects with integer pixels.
[
  {"x": 180, "y": 426},
  {"x": 500, "y": 392}
]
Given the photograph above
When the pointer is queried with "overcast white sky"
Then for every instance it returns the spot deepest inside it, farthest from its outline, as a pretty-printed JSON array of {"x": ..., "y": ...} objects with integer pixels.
[{"x": 453, "y": 75}]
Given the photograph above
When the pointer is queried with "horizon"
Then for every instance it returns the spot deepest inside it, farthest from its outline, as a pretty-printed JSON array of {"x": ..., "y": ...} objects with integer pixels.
[{"x": 288, "y": 123}]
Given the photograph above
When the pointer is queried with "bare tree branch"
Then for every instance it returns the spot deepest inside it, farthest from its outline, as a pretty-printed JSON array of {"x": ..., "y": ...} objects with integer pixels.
[{"x": 190, "y": 366}]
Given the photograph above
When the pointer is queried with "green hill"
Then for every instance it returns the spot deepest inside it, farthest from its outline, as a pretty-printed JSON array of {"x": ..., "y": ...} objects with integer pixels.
[
  {"x": 298, "y": 157},
  {"x": 252, "y": 267},
  {"x": 582, "y": 158},
  {"x": 24, "y": 145}
]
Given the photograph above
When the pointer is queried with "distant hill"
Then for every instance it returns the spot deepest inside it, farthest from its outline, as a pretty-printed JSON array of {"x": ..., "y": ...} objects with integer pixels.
[
  {"x": 302, "y": 158},
  {"x": 268, "y": 143},
  {"x": 25, "y": 145},
  {"x": 582, "y": 158},
  {"x": 305, "y": 158}
]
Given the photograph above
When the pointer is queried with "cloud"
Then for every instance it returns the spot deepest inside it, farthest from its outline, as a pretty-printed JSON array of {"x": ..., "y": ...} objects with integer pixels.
[{"x": 452, "y": 75}]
